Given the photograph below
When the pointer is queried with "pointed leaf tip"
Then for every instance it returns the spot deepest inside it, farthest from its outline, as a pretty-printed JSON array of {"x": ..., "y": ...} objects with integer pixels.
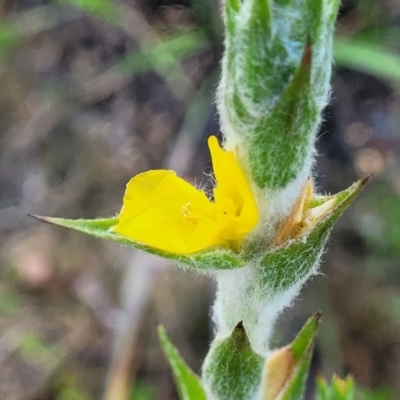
[
  {"x": 239, "y": 326},
  {"x": 240, "y": 338},
  {"x": 287, "y": 368},
  {"x": 214, "y": 258},
  {"x": 232, "y": 370},
  {"x": 366, "y": 179},
  {"x": 38, "y": 217},
  {"x": 291, "y": 114},
  {"x": 187, "y": 382},
  {"x": 306, "y": 337},
  {"x": 302, "y": 350},
  {"x": 306, "y": 59},
  {"x": 340, "y": 389}
]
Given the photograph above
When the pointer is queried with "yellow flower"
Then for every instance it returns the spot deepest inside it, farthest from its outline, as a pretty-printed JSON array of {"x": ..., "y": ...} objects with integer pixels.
[{"x": 165, "y": 212}]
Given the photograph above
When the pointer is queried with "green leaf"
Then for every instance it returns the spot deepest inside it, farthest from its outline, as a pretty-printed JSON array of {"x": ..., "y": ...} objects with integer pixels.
[
  {"x": 218, "y": 258},
  {"x": 296, "y": 387},
  {"x": 231, "y": 9},
  {"x": 294, "y": 116},
  {"x": 302, "y": 348},
  {"x": 272, "y": 91},
  {"x": 166, "y": 54},
  {"x": 294, "y": 362},
  {"x": 274, "y": 274},
  {"x": 105, "y": 9},
  {"x": 232, "y": 370},
  {"x": 341, "y": 389},
  {"x": 374, "y": 394},
  {"x": 322, "y": 389},
  {"x": 306, "y": 337},
  {"x": 10, "y": 35},
  {"x": 285, "y": 265},
  {"x": 367, "y": 57},
  {"x": 187, "y": 382},
  {"x": 143, "y": 391}
]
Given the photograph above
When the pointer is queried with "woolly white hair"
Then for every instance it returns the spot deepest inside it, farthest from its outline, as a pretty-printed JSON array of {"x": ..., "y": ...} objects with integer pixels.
[{"x": 240, "y": 298}]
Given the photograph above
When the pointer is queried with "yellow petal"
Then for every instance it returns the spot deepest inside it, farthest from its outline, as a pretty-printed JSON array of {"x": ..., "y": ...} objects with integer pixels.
[
  {"x": 167, "y": 213},
  {"x": 233, "y": 195}
]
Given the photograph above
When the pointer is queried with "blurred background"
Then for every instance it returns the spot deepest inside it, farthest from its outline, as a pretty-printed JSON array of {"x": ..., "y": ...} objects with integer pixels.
[{"x": 93, "y": 92}]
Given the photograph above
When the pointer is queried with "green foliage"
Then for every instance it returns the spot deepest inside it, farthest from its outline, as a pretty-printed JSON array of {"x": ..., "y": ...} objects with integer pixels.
[
  {"x": 339, "y": 390},
  {"x": 105, "y": 9},
  {"x": 69, "y": 389},
  {"x": 232, "y": 370},
  {"x": 9, "y": 36},
  {"x": 305, "y": 339},
  {"x": 225, "y": 258},
  {"x": 143, "y": 391},
  {"x": 374, "y": 394},
  {"x": 282, "y": 267},
  {"x": 221, "y": 258},
  {"x": 298, "y": 356},
  {"x": 275, "y": 82},
  {"x": 187, "y": 382},
  {"x": 297, "y": 385},
  {"x": 165, "y": 56},
  {"x": 285, "y": 129},
  {"x": 256, "y": 294},
  {"x": 368, "y": 57}
]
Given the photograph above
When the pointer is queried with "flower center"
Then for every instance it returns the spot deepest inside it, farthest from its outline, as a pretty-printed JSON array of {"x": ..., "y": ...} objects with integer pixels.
[{"x": 187, "y": 214}]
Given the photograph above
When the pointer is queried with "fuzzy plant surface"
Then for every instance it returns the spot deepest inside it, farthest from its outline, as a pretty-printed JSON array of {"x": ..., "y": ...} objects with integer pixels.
[{"x": 262, "y": 232}]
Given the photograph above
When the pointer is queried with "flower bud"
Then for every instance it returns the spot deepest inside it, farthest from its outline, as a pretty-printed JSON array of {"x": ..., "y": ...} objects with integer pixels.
[{"x": 275, "y": 83}]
